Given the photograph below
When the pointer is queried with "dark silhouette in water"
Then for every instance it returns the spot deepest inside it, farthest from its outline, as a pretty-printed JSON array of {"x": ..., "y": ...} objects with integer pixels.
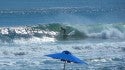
[{"x": 63, "y": 32}]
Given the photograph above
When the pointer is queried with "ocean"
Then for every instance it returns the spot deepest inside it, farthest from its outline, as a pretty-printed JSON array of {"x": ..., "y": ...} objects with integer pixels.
[{"x": 29, "y": 30}]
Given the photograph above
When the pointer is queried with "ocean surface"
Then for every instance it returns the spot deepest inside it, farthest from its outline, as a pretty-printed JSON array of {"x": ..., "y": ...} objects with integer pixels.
[{"x": 29, "y": 30}]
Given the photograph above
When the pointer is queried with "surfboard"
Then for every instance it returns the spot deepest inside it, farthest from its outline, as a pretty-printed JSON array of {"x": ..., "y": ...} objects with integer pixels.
[{"x": 71, "y": 33}]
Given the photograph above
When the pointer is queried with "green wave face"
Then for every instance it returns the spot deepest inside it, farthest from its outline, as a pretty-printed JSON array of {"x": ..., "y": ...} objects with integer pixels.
[
  {"x": 40, "y": 31},
  {"x": 71, "y": 33}
]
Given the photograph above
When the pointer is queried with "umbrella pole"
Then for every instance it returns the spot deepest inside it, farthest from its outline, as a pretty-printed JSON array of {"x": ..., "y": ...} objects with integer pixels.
[{"x": 64, "y": 65}]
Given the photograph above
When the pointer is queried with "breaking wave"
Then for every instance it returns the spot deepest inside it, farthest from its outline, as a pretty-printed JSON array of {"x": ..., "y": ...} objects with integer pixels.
[
  {"x": 51, "y": 32},
  {"x": 106, "y": 31},
  {"x": 47, "y": 31}
]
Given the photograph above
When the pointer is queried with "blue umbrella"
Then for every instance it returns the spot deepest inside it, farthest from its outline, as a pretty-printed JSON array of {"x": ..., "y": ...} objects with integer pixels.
[{"x": 67, "y": 57}]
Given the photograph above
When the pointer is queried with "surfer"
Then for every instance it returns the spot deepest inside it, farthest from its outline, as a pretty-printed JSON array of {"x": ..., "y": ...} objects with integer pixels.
[{"x": 63, "y": 32}]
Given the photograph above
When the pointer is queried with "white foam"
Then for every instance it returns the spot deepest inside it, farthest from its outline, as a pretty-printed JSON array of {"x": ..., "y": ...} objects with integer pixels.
[
  {"x": 34, "y": 40},
  {"x": 4, "y": 31}
]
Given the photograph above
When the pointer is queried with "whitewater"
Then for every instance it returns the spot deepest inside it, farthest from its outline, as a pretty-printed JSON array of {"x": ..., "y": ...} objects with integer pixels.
[
  {"x": 25, "y": 47},
  {"x": 95, "y": 33}
]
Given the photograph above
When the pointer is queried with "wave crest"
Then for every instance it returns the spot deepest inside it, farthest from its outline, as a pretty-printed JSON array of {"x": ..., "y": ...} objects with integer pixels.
[
  {"x": 103, "y": 31},
  {"x": 39, "y": 31}
]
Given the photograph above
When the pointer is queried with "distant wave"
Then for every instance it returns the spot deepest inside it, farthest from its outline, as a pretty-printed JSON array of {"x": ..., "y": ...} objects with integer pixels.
[{"x": 65, "y": 10}]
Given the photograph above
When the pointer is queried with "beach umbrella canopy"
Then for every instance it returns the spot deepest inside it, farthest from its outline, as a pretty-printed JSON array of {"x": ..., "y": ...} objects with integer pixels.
[{"x": 67, "y": 57}]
